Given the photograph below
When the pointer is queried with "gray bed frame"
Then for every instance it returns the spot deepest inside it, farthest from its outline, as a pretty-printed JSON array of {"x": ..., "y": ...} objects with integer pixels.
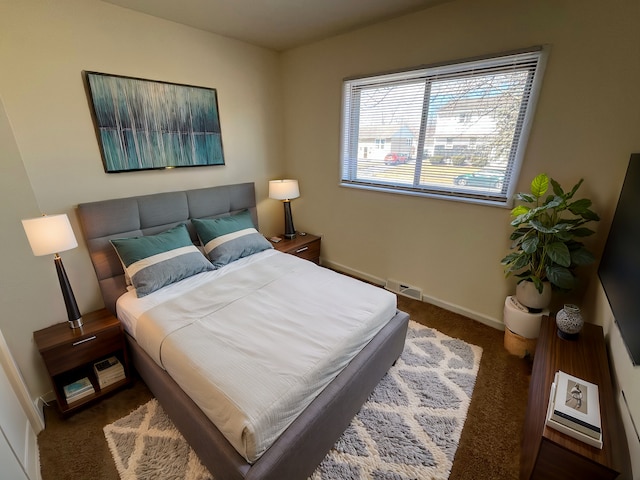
[{"x": 301, "y": 448}]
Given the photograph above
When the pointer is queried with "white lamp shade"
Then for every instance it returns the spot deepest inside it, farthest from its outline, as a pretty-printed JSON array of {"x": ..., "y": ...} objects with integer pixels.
[
  {"x": 49, "y": 234},
  {"x": 283, "y": 189}
]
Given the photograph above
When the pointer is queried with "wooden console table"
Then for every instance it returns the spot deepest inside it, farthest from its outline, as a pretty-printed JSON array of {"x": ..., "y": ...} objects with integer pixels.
[{"x": 549, "y": 454}]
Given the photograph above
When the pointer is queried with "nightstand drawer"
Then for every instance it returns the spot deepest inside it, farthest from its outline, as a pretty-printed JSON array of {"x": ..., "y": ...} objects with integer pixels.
[
  {"x": 310, "y": 251},
  {"x": 82, "y": 350},
  {"x": 303, "y": 246}
]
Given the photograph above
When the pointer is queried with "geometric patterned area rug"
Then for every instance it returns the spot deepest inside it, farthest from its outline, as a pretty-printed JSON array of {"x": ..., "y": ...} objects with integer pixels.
[{"x": 409, "y": 427}]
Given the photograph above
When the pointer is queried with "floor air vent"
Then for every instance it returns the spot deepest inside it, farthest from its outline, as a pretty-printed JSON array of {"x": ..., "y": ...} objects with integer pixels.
[{"x": 404, "y": 289}]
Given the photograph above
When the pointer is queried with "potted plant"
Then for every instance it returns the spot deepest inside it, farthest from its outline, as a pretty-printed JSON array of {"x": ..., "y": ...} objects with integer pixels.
[{"x": 546, "y": 244}]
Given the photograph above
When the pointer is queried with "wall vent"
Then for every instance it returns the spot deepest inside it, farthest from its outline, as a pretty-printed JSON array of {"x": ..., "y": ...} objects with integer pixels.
[{"x": 404, "y": 289}]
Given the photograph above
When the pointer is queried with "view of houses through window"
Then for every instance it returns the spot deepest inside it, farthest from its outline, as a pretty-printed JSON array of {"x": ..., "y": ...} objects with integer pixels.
[{"x": 454, "y": 131}]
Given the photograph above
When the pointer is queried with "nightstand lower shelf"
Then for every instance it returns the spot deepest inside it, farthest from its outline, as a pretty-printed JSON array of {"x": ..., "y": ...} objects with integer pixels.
[
  {"x": 59, "y": 381},
  {"x": 69, "y": 355}
]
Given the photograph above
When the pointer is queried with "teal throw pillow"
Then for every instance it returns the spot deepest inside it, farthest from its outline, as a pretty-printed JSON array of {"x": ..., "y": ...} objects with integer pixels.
[
  {"x": 227, "y": 239},
  {"x": 154, "y": 261}
]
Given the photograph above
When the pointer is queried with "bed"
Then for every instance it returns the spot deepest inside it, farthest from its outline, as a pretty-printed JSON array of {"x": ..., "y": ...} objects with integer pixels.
[{"x": 305, "y": 439}]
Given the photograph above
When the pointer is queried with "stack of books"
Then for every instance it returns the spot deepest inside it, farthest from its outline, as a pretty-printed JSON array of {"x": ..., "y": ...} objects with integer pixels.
[
  {"x": 77, "y": 390},
  {"x": 574, "y": 409},
  {"x": 108, "y": 371}
]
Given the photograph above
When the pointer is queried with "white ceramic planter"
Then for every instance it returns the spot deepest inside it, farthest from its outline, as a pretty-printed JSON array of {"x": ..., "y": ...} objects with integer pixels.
[
  {"x": 520, "y": 321},
  {"x": 527, "y": 294}
]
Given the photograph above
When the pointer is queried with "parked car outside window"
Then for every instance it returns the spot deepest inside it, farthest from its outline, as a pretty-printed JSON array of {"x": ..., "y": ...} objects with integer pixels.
[
  {"x": 395, "y": 158},
  {"x": 482, "y": 178}
]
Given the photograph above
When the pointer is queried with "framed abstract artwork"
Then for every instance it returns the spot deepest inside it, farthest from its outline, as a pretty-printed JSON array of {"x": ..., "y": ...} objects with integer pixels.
[{"x": 146, "y": 124}]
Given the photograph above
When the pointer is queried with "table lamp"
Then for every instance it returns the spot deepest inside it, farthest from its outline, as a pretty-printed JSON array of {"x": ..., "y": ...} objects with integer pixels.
[
  {"x": 51, "y": 234},
  {"x": 285, "y": 190}
]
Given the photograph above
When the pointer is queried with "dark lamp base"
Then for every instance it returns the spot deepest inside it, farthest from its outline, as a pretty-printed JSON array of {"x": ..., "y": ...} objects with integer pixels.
[
  {"x": 77, "y": 323},
  {"x": 73, "y": 314},
  {"x": 289, "y": 229}
]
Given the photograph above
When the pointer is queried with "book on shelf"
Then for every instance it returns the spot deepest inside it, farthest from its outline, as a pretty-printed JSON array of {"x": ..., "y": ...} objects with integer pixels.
[
  {"x": 105, "y": 382},
  {"x": 80, "y": 396},
  {"x": 107, "y": 365},
  {"x": 574, "y": 409},
  {"x": 78, "y": 389},
  {"x": 108, "y": 371},
  {"x": 577, "y": 404}
]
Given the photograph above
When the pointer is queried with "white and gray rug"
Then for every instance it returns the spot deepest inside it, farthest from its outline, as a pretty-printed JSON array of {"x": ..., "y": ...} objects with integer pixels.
[{"x": 409, "y": 427}]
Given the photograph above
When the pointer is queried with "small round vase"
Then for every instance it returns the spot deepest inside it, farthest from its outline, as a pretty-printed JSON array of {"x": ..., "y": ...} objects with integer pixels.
[{"x": 569, "y": 321}]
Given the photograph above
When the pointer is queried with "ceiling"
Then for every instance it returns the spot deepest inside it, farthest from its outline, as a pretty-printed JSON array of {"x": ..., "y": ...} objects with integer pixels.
[{"x": 276, "y": 24}]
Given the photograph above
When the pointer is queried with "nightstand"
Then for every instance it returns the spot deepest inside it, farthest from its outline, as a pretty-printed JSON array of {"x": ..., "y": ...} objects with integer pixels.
[
  {"x": 303, "y": 246},
  {"x": 69, "y": 354}
]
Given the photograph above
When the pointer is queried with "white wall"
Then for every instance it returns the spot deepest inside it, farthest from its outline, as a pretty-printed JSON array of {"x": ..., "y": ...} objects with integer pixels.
[
  {"x": 27, "y": 283},
  {"x": 626, "y": 377},
  {"x": 586, "y": 125},
  {"x": 51, "y": 161}
]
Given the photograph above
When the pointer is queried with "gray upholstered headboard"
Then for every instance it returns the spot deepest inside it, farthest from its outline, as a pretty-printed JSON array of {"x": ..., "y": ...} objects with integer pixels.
[{"x": 147, "y": 215}]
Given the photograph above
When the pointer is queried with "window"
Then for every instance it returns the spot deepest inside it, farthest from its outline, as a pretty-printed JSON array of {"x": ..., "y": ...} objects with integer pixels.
[{"x": 455, "y": 131}]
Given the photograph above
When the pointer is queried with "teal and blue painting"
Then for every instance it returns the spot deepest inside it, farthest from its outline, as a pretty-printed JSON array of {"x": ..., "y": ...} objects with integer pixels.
[{"x": 144, "y": 124}]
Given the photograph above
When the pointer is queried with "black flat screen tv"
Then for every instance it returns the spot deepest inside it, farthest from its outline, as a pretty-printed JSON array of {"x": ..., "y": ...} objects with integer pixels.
[{"x": 619, "y": 269}]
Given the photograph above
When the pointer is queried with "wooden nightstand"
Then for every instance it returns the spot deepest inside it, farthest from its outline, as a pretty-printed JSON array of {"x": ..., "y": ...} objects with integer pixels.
[
  {"x": 69, "y": 354},
  {"x": 303, "y": 246},
  {"x": 547, "y": 453}
]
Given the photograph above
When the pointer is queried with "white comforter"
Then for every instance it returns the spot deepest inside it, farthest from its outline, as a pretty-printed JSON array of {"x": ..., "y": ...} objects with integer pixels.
[{"x": 255, "y": 343}]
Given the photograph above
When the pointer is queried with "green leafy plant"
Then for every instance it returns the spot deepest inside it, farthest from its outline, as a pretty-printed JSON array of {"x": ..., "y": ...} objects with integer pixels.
[{"x": 546, "y": 240}]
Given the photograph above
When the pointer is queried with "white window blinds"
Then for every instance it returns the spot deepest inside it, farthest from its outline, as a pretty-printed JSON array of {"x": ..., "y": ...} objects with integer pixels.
[{"x": 454, "y": 131}]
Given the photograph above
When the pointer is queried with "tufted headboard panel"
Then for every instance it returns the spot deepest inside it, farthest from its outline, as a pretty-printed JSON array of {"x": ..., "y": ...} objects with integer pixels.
[{"x": 149, "y": 214}]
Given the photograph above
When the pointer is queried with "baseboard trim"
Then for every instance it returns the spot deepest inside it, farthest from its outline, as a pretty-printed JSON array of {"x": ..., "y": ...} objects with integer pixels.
[
  {"x": 491, "y": 322},
  {"x": 354, "y": 273}
]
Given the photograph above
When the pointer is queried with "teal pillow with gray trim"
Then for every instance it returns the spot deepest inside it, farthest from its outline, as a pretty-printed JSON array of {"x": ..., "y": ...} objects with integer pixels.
[
  {"x": 154, "y": 261},
  {"x": 227, "y": 239}
]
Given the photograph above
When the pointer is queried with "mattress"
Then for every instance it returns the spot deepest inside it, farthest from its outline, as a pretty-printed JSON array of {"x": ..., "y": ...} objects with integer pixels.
[{"x": 254, "y": 342}]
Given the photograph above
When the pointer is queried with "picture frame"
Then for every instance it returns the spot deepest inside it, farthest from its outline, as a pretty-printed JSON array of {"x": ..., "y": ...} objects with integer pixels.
[{"x": 147, "y": 124}]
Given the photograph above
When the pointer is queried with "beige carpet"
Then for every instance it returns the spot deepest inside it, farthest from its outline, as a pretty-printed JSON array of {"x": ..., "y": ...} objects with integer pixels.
[
  {"x": 409, "y": 427},
  {"x": 75, "y": 448},
  {"x": 146, "y": 445}
]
